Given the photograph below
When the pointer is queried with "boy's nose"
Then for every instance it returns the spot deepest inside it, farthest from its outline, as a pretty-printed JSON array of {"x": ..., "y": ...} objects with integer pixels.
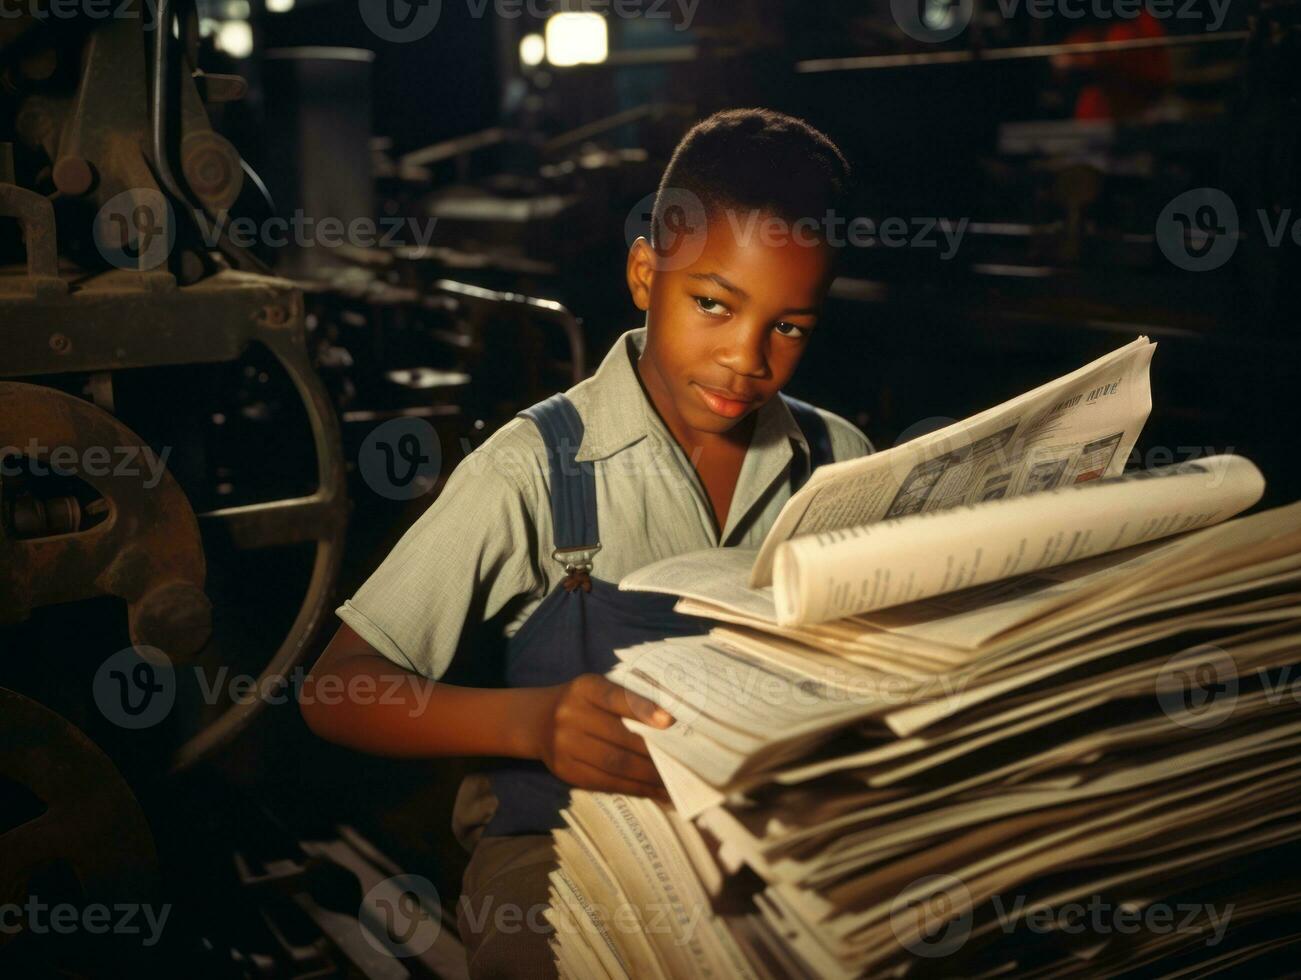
[{"x": 744, "y": 352}]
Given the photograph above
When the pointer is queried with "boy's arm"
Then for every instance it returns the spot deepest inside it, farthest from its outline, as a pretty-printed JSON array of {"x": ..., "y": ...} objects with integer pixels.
[{"x": 357, "y": 697}]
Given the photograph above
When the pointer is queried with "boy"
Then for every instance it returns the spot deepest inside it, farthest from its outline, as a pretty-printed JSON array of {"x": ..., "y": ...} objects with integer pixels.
[{"x": 680, "y": 441}]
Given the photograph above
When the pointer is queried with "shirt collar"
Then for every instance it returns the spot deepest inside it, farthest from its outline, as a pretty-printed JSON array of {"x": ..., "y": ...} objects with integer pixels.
[{"x": 618, "y": 413}]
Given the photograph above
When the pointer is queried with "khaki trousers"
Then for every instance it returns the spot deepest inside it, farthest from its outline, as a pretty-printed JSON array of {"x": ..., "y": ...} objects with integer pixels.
[{"x": 504, "y": 893}]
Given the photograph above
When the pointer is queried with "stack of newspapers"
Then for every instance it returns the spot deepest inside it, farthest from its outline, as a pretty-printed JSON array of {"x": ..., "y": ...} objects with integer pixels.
[{"x": 980, "y": 705}]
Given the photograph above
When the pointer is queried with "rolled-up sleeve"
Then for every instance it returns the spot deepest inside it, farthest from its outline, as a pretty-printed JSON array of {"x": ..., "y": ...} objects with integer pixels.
[{"x": 469, "y": 554}]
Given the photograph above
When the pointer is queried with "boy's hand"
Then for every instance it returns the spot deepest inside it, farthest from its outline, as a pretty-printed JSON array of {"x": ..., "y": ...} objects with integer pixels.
[{"x": 583, "y": 740}]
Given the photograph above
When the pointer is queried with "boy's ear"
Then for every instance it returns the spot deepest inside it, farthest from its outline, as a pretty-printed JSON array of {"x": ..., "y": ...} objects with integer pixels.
[{"x": 641, "y": 272}]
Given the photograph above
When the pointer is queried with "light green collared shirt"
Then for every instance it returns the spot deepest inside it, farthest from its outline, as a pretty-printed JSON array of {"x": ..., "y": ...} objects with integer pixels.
[{"x": 485, "y": 545}]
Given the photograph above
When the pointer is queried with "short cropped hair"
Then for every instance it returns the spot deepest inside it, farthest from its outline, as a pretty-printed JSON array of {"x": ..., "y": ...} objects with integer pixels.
[{"x": 754, "y": 159}]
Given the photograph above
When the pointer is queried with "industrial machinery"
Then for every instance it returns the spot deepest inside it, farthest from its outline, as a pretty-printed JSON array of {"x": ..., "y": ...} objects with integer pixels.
[{"x": 178, "y": 431}]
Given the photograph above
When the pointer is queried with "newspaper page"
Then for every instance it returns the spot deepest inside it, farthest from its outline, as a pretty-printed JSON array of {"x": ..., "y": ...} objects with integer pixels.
[
  {"x": 637, "y": 840},
  {"x": 1078, "y": 428},
  {"x": 827, "y": 576}
]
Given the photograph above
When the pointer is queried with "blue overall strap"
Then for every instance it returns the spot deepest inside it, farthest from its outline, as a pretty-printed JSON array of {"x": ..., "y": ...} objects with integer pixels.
[
  {"x": 573, "y": 484},
  {"x": 815, "y": 432}
]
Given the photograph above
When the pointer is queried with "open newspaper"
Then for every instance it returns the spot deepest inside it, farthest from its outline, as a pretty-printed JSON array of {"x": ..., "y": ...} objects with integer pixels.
[{"x": 1030, "y": 484}]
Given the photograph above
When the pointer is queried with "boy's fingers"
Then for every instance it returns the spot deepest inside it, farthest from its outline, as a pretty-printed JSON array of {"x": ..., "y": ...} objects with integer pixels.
[
  {"x": 623, "y": 702},
  {"x": 610, "y": 728},
  {"x": 589, "y": 777},
  {"x": 615, "y": 761}
]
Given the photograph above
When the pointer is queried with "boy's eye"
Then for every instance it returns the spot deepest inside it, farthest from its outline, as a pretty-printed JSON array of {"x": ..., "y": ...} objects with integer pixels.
[
  {"x": 711, "y": 306},
  {"x": 799, "y": 332}
]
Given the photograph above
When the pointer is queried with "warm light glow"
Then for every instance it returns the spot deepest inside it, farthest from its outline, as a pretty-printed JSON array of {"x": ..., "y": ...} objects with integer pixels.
[
  {"x": 576, "y": 39},
  {"x": 235, "y": 37},
  {"x": 532, "y": 49},
  {"x": 279, "y": 6}
]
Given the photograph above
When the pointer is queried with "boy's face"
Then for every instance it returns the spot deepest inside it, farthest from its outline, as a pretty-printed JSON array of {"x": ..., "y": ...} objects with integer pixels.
[{"x": 726, "y": 331}]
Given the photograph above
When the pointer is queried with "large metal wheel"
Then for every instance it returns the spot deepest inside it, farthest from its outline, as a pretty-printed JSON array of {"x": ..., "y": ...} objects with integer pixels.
[
  {"x": 89, "y": 821},
  {"x": 94, "y": 330}
]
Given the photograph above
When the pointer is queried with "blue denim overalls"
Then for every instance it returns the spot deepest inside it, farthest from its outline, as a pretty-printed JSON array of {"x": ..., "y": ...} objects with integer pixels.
[{"x": 576, "y": 629}]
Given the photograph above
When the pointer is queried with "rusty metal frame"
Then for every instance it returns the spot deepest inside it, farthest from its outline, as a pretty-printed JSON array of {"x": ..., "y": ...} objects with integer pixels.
[
  {"x": 147, "y": 551},
  {"x": 123, "y": 320}
]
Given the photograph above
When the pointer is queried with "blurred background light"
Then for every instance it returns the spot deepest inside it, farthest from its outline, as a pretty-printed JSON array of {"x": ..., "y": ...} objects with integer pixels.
[
  {"x": 576, "y": 39},
  {"x": 235, "y": 37},
  {"x": 532, "y": 49}
]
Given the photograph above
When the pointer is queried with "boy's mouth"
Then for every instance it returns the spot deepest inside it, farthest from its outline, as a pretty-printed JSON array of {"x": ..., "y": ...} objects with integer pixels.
[{"x": 722, "y": 402}]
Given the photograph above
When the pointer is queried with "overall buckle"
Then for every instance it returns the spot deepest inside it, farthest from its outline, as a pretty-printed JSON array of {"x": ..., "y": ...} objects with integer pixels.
[{"x": 578, "y": 566}]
